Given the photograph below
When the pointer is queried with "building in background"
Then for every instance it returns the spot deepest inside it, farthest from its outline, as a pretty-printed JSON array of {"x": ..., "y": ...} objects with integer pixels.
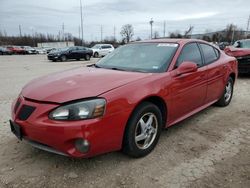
[{"x": 55, "y": 44}]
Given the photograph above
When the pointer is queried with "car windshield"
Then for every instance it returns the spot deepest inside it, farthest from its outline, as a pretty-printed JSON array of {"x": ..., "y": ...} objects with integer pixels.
[
  {"x": 141, "y": 57},
  {"x": 62, "y": 49},
  {"x": 245, "y": 44},
  {"x": 96, "y": 47}
]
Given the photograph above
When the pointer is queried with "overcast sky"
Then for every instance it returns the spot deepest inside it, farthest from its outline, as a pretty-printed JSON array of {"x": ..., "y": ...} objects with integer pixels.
[{"x": 47, "y": 16}]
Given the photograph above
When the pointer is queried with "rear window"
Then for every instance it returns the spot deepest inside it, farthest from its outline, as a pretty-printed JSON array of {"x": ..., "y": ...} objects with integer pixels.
[{"x": 209, "y": 53}]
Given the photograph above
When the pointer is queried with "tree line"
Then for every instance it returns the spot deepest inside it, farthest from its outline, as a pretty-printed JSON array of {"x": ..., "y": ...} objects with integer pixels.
[{"x": 229, "y": 34}]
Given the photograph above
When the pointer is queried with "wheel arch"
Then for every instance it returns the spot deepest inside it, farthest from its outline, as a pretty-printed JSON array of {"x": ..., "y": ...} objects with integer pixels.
[{"x": 156, "y": 100}]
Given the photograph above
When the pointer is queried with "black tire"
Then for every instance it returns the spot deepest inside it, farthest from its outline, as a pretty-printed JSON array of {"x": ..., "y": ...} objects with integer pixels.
[
  {"x": 1, "y": 53},
  {"x": 225, "y": 98},
  {"x": 96, "y": 54},
  {"x": 135, "y": 148},
  {"x": 87, "y": 57},
  {"x": 63, "y": 58},
  {"x": 78, "y": 59},
  {"x": 54, "y": 60}
]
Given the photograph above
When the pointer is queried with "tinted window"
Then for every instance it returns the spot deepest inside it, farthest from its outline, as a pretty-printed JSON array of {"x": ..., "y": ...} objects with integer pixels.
[
  {"x": 209, "y": 53},
  {"x": 190, "y": 52}
]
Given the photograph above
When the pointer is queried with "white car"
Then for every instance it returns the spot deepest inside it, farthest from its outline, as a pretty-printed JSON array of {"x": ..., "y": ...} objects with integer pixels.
[
  {"x": 100, "y": 50},
  {"x": 41, "y": 50}
]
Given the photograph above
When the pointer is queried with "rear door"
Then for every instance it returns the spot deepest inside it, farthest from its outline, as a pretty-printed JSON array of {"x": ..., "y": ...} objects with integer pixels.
[
  {"x": 188, "y": 91},
  {"x": 215, "y": 72},
  {"x": 105, "y": 49}
]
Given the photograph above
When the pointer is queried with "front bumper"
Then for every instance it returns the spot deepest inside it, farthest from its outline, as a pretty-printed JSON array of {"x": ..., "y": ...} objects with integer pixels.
[
  {"x": 104, "y": 134},
  {"x": 52, "y": 58}
]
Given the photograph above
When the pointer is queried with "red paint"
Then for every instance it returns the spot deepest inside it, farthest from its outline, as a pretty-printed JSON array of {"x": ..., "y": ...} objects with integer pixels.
[
  {"x": 237, "y": 52},
  {"x": 183, "y": 95}
]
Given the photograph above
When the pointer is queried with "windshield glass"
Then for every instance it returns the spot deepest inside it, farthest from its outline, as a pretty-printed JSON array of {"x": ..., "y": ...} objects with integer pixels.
[
  {"x": 61, "y": 49},
  {"x": 144, "y": 57},
  {"x": 245, "y": 44},
  {"x": 96, "y": 46}
]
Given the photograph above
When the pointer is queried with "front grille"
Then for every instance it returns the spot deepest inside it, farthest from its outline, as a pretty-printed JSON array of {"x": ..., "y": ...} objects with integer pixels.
[{"x": 25, "y": 112}]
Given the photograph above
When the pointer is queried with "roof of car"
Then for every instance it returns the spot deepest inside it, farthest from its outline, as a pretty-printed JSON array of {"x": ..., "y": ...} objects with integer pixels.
[{"x": 172, "y": 40}]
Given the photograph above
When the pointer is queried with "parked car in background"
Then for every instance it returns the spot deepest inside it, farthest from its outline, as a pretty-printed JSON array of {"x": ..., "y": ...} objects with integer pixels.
[
  {"x": 41, "y": 50},
  {"x": 29, "y": 50},
  {"x": 223, "y": 45},
  {"x": 16, "y": 50},
  {"x": 48, "y": 49},
  {"x": 5, "y": 51},
  {"x": 100, "y": 50},
  {"x": 123, "y": 101},
  {"x": 75, "y": 52},
  {"x": 241, "y": 51}
]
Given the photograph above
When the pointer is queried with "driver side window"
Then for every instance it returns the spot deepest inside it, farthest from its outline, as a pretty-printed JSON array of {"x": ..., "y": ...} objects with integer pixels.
[{"x": 190, "y": 52}]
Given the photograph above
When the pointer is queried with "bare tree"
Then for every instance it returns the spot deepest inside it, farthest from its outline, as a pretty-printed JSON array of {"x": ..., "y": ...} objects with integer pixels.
[
  {"x": 127, "y": 32},
  {"x": 188, "y": 33}
]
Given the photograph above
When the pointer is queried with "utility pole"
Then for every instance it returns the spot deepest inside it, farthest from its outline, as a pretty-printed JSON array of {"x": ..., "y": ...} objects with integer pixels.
[
  {"x": 20, "y": 31},
  {"x": 63, "y": 38},
  {"x": 114, "y": 33},
  {"x": 101, "y": 32},
  {"x": 81, "y": 20},
  {"x": 79, "y": 30},
  {"x": 164, "y": 29},
  {"x": 151, "y": 26},
  {"x": 248, "y": 23},
  {"x": 232, "y": 40}
]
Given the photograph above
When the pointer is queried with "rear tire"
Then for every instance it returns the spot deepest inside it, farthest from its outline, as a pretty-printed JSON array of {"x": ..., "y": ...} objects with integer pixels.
[
  {"x": 227, "y": 94},
  {"x": 143, "y": 130},
  {"x": 87, "y": 57}
]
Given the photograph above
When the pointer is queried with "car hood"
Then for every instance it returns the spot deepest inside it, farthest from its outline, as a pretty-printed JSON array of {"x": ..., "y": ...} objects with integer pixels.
[
  {"x": 237, "y": 52},
  {"x": 78, "y": 83}
]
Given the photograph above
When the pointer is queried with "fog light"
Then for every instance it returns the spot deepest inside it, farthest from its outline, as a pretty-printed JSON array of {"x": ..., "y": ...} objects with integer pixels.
[{"x": 82, "y": 145}]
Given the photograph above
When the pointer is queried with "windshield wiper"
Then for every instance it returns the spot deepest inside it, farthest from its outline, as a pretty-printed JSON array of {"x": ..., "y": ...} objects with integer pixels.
[
  {"x": 94, "y": 65},
  {"x": 115, "y": 68}
]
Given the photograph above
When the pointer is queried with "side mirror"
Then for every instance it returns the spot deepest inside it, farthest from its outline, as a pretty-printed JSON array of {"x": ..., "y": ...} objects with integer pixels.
[{"x": 186, "y": 67}]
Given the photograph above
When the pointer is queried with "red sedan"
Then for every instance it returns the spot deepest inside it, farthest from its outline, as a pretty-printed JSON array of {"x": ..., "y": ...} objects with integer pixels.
[{"x": 123, "y": 101}]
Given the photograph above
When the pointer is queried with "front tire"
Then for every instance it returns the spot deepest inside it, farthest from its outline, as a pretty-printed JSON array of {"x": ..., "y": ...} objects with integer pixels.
[
  {"x": 63, "y": 58},
  {"x": 143, "y": 130},
  {"x": 227, "y": 94}
]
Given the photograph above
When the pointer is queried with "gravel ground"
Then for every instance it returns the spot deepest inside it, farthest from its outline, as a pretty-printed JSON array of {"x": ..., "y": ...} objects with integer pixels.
[{"x": 210, "y": 149}]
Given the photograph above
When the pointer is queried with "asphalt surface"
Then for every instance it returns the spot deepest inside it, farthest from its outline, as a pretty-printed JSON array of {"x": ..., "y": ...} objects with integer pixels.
[{"x": 210, "y": 149}]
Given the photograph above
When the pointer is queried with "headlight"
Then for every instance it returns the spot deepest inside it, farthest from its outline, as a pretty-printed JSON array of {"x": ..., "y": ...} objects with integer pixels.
[{"x": 79, "y": 110}]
